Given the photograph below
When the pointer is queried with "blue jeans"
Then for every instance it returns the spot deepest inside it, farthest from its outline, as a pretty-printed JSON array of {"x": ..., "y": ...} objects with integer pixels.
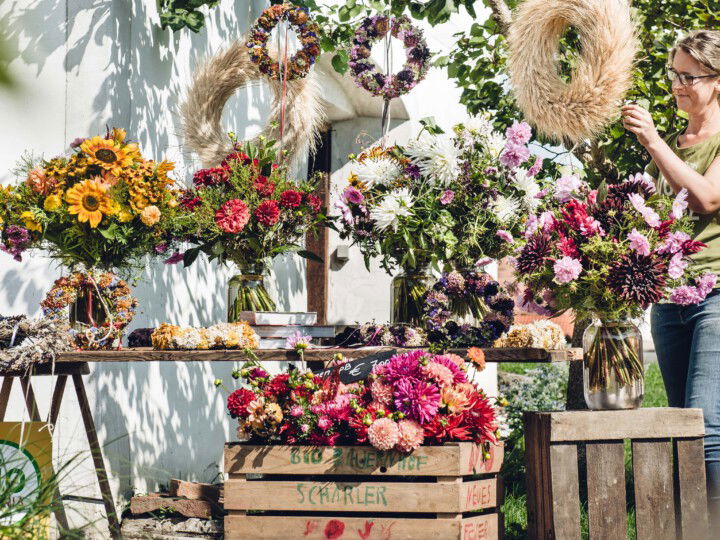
[{"x": 687, "y": 343}]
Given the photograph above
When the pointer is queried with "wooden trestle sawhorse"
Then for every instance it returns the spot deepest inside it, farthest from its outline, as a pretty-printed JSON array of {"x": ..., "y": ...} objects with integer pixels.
[{"x": 76, "y": 370}]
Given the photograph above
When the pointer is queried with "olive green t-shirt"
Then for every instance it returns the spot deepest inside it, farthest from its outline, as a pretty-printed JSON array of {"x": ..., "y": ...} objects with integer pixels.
[{"x": 707, "y": 226}]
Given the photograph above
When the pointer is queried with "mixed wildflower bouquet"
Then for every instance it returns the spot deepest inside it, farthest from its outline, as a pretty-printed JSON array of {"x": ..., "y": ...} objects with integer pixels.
[
  {"x": 442, "y": 198},
  {"x": 104, "y": 206},
  {"x": 608, "y": 254},
  {"x": 415, "y": 398},
  {"x": 247, "y": 210}
]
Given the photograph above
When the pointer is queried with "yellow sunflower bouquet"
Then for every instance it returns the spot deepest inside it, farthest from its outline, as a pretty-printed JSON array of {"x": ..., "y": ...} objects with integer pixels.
[{"x": 104, "y": 206}]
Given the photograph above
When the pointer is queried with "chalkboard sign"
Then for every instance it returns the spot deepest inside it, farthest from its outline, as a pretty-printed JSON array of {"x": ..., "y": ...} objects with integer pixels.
[{"x": 360, "y": 368}]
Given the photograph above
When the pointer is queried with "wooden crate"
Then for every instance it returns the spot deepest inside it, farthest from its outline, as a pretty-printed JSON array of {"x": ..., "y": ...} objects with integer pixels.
[
  {"x": 438, "y": 492},
  {"x": 668, "y": 473}
]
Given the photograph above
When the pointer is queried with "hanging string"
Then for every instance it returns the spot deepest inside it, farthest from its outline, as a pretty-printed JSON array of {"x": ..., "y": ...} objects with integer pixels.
[
  {"x": 283, "y": 99},
  {"x": 385, "y": 120}
]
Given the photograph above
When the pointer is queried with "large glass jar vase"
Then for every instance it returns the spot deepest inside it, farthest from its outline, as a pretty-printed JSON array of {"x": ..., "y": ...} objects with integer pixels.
[
  {"x": 87, "y": 309},
  {"x": 613, "y": 370},
  {"x": 247, "y": 292},
  {"x": 407, "y": 296}
]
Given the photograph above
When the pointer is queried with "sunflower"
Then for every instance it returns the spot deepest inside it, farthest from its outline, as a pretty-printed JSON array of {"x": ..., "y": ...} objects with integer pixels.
[
  {"x": 89, "y": 201},
  {"x": 108, "y": 154}
]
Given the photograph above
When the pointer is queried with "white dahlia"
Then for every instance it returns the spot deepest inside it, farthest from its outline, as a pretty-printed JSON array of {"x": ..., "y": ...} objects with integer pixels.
[{"x": 377, "y": 171}]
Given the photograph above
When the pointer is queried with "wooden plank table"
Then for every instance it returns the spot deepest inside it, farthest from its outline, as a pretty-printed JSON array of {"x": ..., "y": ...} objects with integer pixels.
[{"x": 75, "y": 364}]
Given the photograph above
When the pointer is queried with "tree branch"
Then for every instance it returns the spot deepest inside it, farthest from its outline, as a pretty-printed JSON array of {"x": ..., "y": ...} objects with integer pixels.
[{"x": 501, "y": 13}]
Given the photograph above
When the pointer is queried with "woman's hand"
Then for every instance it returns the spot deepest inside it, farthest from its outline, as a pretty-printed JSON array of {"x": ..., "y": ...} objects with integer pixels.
[{"x": 640, "y": 122}]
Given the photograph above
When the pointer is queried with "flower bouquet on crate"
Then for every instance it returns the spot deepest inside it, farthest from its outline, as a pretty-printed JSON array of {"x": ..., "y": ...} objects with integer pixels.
[
  {"x": 247, "y": 211},
  {"x": 414, "y": 399},
  {"x": 100, "y": 209},
  {"x": 440, "y": 200},
  {"x": 608, "y": 254}
]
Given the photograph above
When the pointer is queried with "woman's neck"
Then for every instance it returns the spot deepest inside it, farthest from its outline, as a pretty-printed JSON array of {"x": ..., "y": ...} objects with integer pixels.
[{"x": 705, "y": 122}]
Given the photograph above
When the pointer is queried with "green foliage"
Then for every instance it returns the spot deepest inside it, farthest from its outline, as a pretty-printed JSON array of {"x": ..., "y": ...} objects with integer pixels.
[{"x": 178, "y": 14}]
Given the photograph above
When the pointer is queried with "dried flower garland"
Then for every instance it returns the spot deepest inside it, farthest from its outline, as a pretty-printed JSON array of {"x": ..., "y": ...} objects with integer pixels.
[
  {"x": 218, "y": 79},
  {"x": 115, "y": 298},
  {"x": 31, "y": 341},
  {"x": 581, "y": 107},
  {"x": 365, "y": 71},
  {"x": 469, "y": 291},
  {"x": 299, "y": 65},
  {"x": 238, "y": 335},
  {"x": 542, "y": 334}
]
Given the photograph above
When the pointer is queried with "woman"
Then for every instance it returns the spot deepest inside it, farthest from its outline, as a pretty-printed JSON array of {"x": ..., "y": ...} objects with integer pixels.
[{"x": 687, "y": 339}]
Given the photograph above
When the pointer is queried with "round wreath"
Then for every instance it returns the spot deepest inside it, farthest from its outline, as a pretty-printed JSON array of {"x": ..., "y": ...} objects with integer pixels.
[
  {"x": 477, "y": 292},
  {"x": 582, "y": 107},
  {"x": 115, "y": 297},
  {"x": 365, "y": 71},
  {"x": 216, "y": 81},
  {"x": 301, "y": 62}
]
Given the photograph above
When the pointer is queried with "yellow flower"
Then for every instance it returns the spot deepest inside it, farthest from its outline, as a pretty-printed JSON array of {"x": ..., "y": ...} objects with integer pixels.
[
  {"x": 108, "y": 154},
  {"x": 124, "y": 216},
  {"x": 31, "y": 223},
  {"x": 150, "y": 215},
  {"x": 172, "y": 203},
  {"x": 119, "y": 134},
  {"x": 114, "y": 208},
  {"x": 52, "y": 203},
  {"x": 88, "y": 200}
]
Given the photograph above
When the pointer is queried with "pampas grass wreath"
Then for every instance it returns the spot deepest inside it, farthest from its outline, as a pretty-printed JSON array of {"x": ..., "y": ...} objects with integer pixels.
[
  {"x": 582, "y": 107},
  {"x": 219, "y": 78}
]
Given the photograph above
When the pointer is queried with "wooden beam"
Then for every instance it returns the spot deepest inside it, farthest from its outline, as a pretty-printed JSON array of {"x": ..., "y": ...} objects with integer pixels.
[
  {"x": 316, "y": 273},
  {"x": 146, "y": 354}
]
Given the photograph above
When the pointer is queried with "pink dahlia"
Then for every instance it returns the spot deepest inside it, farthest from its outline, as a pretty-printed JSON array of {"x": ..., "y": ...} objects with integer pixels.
[
  {"x": 296, "y": 410},
  {"x": 267, "y": 213},
  {"x": 232, "y": 216},
  {"x": 383, "y": 434},
  {"x": 567, "y": 269},
  {"x": 417, "y": 400},
  {"x": 381, "y": 393},
  {"x": 451, "y": 363},
  {"x": 290, "y": 198},
  {"x": 402, "y": 366},
  {"x": 324, "y": 423},
  {"x": 514, "y": 154},
  {"x": 438, "y": 373},
  {"x": 411, "y": 435},
  {"x": 519, "y": 133}
]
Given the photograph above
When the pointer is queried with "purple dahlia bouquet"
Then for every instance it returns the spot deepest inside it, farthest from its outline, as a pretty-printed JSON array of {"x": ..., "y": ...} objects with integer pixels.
[{"x": 608, "y": 254}]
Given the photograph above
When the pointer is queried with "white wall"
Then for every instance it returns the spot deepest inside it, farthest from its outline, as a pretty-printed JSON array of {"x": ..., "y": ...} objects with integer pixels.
[{"x": 82, "y": 65}]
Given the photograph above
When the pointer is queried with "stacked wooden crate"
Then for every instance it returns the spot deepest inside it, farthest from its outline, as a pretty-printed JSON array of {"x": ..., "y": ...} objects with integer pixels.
[{"x": 288, "y": 492}]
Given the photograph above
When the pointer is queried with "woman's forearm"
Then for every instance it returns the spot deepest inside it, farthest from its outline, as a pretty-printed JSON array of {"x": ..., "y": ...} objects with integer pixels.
[{"x": 703, "y": 194}]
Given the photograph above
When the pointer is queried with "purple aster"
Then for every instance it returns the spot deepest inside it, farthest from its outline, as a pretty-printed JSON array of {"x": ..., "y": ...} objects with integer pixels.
[{"x": 447, "y": 196}]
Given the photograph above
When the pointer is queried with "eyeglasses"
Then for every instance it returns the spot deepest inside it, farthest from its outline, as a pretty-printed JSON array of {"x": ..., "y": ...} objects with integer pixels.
[{"x": 686, "y": 80}]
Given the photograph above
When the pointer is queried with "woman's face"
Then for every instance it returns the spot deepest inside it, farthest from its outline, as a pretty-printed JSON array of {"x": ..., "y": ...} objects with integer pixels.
[{"x": 698, "y": 97}]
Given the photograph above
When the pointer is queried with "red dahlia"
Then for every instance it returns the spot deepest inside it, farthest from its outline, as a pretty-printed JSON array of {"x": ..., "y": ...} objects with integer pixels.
[
  {"x": 267, "y": 213},
  {"x": 236, "y": 156},
  {"x": 264, "y": 187},
  {"x": 290, "y": 198},
  {"x": 314, "y": 202},
  {"x": 211, "y": 177},
  {"x": 238, "y": 401},
  {"x": 189, "y": 201},
  {"x": 232, "y": 216}
]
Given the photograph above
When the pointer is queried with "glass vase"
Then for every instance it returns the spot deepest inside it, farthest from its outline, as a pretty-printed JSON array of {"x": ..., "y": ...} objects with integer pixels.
[
  {"x": 613, "y": 371},
  {"x": 87, "y": 309},
  {"x": 247, "y": 292},
  {"x": 407, "y": 297}
]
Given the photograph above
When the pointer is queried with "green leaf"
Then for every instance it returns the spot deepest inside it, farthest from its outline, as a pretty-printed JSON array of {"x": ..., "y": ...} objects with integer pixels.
[
  {"x": 602, "y": 191},
  {"x": 190, "y": 255},
  {"x": 309, "y": 255},
  {"x": 340, "y": 62}
]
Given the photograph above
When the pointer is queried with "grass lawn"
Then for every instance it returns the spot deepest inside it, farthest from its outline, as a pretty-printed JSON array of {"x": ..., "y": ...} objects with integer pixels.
[{"x": 515, "y": 509}]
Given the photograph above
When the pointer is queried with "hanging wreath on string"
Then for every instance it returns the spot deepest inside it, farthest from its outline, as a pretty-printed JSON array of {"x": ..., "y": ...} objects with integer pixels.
[
  {"x": 225, "y": 73},
  {"x": 300, "y": 63},
  {"x": 104, "y": 296},
  {"x": 366, "y": 73},
  {"x": 583, "y": 106}
]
